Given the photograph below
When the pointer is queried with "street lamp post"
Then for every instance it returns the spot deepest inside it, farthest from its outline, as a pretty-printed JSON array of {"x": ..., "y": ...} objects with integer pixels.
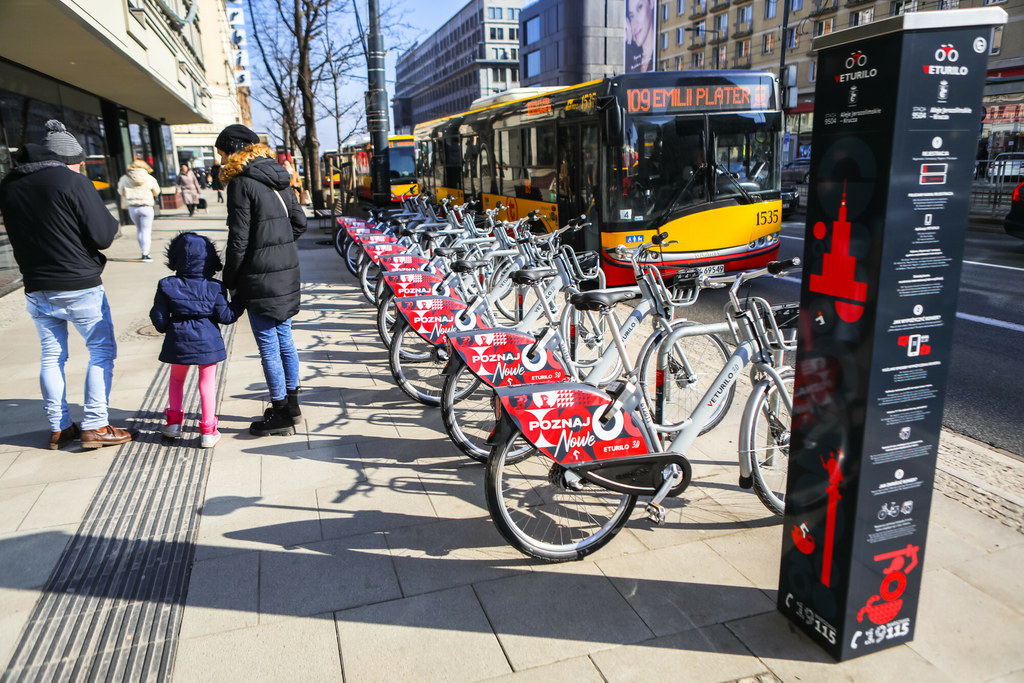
[{"x": 698, "y": 31}]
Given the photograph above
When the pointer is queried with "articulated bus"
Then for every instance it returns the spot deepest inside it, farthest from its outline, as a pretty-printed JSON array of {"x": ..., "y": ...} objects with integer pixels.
[
  {"x": 692, "y": 153},
  {"x": 354, "y": 168}
]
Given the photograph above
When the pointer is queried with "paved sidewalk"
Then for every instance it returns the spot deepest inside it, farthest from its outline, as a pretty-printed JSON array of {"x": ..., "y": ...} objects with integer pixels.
[{"x": 361, "y": 547}]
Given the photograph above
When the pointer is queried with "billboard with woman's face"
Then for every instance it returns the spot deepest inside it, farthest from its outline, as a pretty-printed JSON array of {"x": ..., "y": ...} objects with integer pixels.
[{"x": 640, "y": 35}]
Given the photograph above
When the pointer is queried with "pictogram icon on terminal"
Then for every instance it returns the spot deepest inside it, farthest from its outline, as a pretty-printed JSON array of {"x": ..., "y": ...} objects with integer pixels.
[{"x": 837, "y": 278}]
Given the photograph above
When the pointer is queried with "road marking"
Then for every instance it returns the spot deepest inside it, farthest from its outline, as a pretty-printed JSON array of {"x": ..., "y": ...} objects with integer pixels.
[
  {"x": 791, "y": 237},
  {"x": 994, "y": 265},
  {"x": 990, "y": 321}
]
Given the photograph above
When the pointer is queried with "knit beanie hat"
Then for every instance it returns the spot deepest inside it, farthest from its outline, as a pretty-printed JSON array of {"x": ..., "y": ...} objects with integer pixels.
[
  {"x": 62, "y": 143},
  {"x": 234, "y": 138}
]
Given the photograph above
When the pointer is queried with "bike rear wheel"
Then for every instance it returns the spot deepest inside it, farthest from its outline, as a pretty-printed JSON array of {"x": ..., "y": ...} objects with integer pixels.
[
  {"x": 768, "y": 433},
  {"x": 467, "y": 409},
  {"x": 693, "y": 365},
  {"x": 543, "y": 511},
  {"x": 417, "y": 365}
]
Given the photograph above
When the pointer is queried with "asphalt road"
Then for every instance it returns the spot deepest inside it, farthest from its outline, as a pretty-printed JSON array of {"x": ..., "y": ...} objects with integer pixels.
[{"x": 985, "y": 391}]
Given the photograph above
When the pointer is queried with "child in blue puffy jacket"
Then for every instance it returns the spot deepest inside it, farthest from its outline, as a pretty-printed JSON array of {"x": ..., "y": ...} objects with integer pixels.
[{"x": 188, "y": 308}]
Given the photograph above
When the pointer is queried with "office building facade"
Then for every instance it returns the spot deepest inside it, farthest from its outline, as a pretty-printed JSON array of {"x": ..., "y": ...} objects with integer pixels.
[{"x": 565, "y": 42}]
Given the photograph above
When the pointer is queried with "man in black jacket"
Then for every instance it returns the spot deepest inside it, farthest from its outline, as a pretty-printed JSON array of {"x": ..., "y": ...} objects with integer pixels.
[{"x": 57, "y": 225}]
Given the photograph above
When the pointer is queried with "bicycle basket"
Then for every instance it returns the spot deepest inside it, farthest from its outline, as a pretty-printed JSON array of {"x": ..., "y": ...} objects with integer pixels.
[{"x": 787, "y": 319}]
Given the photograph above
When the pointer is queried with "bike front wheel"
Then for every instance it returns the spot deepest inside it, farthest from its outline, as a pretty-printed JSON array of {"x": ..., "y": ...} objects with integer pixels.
[
  {"x": 693, "y": 363},
  {"x": 369, "y": 272},
  {"x": 417, "y": 366},
  {"x": 769, "y": 429},
  {"x": 543, "y": 510},
  {"x": 386, "y": 314},
  {"x": 353, "y": 255}
]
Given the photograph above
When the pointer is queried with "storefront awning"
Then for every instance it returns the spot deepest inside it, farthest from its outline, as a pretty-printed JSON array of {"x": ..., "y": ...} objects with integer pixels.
[{"x": 802, "y": 108}]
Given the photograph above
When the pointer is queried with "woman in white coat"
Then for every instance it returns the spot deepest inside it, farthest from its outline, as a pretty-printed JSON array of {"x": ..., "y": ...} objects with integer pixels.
[{"x": 138, "y": 188}]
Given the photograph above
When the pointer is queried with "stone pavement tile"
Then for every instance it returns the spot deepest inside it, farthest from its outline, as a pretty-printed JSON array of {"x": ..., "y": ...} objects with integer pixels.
[
  {"x": 223, "y": 595},
  {"x": 15, "y": 503},
  {"x": 299, "y": 650},
  {"x": 232, "y": 523},
  {"x": 692, "y": 516},
  {"x": 998, "y": 574},
  {"x": 544, "y": 617},
  {"x": 972, "y": 525},
  {"x": 755, "y": 553},
  {"x": 449, "y": 553},
  {"x": 792, "y": 656},
  {"x": 366, "y": 506},
  {"x": 233, "y": 474},
  {"x": 708, "y": 654},
  {"x": 62, "y": 502},
  {"x": 17, "y": 608},
  {"x": 945, "y": 548},
  {"x": 6, "y": 460},
  {"x": 335, "y": 465},
  {"x": 456, "y": 491},
  {"x": 442, "y": 636},
  {"x": 688, "y": 586},
  {"x": 326, "y": 577},
  {"x": 44, "y": 467},
  {"x": 723, "y": 487},
  {"x": 579, "y": 669},
  {"x": 28, "y": 557},
  {"x": 966, "y": 632}
]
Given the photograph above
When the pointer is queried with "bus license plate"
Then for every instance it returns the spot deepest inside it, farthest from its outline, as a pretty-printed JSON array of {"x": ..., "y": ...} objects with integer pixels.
[{"x": 718, "y": 269}]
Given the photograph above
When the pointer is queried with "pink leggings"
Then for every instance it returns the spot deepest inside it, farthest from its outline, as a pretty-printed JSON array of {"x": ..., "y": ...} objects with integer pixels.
[{"x": 207, "y": 389}]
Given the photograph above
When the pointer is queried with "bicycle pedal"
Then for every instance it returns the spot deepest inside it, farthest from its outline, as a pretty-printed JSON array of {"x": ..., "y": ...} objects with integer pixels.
[{"x": 656, "y": 513}]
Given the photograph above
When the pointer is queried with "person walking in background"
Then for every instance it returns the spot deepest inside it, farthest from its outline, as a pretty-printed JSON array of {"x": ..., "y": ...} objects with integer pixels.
[
  {"x": 262, "y": 265},
  {"x": 216, "y": 184},
  {"x": 187, "y": 309},
  {"x": 189, "y": 188},
  {"x": 138, "y": 188},
  {"x": 294, "y": 179},
  {"x": 58, "y": 225}
]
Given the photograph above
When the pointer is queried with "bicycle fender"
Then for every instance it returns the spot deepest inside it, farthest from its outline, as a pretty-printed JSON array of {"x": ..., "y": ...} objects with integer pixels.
[
  {"x": 354, "y": 232},
  {"x": 566, "y": 422},
  {"x": 431, "y": 317},
  {"x": 413, "y": 283},
  {"x": 365, "y": 238},
  {"x": 501, "y": 357},
  {"x": 396, "y": 262}
]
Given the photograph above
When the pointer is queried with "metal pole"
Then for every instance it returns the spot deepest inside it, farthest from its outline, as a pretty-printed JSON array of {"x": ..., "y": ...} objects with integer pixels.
[
  {"x": 782, "y": 58},
  {"x": 377, "y": 109}
]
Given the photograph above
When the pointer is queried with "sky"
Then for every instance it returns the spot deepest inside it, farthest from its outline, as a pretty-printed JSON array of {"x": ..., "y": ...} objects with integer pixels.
[{"x": 425, "y": 16}]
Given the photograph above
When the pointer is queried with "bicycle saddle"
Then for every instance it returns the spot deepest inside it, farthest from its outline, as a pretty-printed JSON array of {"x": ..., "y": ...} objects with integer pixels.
[
  {"x": 466, "y": 266},
  {"x": 603, "y": 299},
  {"x": 445, "y": 251},
  {"x": 531, "y": 276}
]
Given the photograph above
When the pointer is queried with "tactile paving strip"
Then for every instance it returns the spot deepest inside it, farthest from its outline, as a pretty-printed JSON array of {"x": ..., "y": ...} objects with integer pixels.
[{"x": 111, "y": 609}]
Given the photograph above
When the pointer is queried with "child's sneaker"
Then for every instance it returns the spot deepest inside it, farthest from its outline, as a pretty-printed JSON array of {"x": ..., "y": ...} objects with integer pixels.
[
  {"x": 172, "y": 430},
  {"x": 208, "y": 434}
]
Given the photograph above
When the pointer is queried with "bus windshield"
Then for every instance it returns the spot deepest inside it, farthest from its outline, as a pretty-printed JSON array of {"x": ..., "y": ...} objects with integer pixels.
[
  {"x": 403, "y": 164},
  {"x": 663, "y": 170}
]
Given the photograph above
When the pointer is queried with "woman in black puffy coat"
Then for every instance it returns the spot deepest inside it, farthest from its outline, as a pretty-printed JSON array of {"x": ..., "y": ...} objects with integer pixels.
[
  {"x": 187, "y": 309},
  {"x": 262, "y": 265}
]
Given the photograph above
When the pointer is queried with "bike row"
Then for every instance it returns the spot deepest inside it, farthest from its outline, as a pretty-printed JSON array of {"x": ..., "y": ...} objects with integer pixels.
[{"x": 513, "y": 336}]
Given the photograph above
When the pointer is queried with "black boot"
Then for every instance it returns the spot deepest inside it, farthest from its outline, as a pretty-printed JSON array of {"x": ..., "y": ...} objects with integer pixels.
[
  {"x": 276, "y": 421},
  {"x": 293, "y": 406}
]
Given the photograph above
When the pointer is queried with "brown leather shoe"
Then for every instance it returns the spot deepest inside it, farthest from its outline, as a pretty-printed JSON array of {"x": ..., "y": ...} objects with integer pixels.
[
  {"x": 62, "y": 438},
  {"x": 104, "y": 436}
]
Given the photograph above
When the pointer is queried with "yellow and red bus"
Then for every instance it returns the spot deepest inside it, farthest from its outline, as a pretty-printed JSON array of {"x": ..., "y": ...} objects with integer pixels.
[
  {"x": 354, "y": 168},
  {"x": 695, "y": 154}
]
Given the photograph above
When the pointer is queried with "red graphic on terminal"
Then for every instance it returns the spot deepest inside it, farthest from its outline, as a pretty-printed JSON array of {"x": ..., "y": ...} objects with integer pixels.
[
  {"x": 883, "y": 607},
  {"x": 837, "y": 277},
  {"x": 835, "y": 478}
]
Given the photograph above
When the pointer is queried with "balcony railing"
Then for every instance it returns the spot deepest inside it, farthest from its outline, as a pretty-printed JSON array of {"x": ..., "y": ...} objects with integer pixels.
[
  {"x": 744, "y": 29},
  {"x": 854, "y": 3},
  {"x": 699, "y": 11},
  {"x": 741, "y": 62},
  {"x": 723, "y": 35},
  {"x": 697, "y": 42},
  {"x": 719, "y": 5}
]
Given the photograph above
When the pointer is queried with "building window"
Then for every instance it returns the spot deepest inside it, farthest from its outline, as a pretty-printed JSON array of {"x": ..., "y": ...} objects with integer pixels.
[
  {"x": 812, "y": 70},
  {"x": 679, "y": 63},
  {"x": 680, "y": 35},
  {"x": 494, "y": 13},
  {"x": 796, "y": 5},
  {"x": 768, "y": 44},
  {"x": 792, "y": 39},
  {"x": 532, "y": 64},
  {"x": 865, "y": 16},
  {"x": 948, "y": 4},
  {"x": 722, "y": 26},
  {"x": 770, "y": 8},
  {"x": 513, "y": 34},
  {"x": 498, "y": 75},
  {"x": 515, "y": 53},
  {"x": 996, "y": 41},
  {"x": 902, "y": 7},
  {"x": 513, "y": 13},
  {"x": 664, "y": 41},
  {"x": 994, "y": 2},
  {"x": 723, "y": 57},
  {"x": 824, "y": 27},
  {"x": 664, "y": 12},
  {"x": 743, "y": 49},
  {"x": 744, "y": 15},
  {"x": 700, "y": 6},
  {"x": 515, "y": 75},
  {"x": 532, "y": 30},
  {"x": 681, "y": 7},
  {"x": 699, "y": 37},
  {"x": 697, "y": 60}
]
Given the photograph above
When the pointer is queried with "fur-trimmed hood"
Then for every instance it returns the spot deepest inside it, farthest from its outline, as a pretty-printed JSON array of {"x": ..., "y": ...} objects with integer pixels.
[{"x": 257, "y": 162}]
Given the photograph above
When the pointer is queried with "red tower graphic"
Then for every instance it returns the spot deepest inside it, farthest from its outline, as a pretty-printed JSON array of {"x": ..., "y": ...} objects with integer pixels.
[{"x": 837, "y": 277}]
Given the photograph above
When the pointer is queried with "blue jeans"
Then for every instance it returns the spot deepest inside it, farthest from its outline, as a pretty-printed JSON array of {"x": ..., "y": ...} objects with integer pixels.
[
  {"x": 277, "y": 353},
  {"x": 89, "y": 312}
]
